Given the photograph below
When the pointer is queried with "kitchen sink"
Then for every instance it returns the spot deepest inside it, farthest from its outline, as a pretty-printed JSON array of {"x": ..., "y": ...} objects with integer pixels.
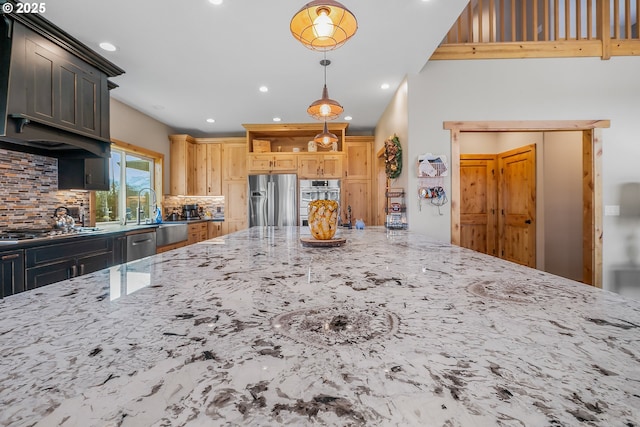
[{"x": 168, "y": 234}]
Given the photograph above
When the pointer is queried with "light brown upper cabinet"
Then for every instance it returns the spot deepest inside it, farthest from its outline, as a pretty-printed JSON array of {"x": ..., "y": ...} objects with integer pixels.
[
  {"x": 272, "y": 162},
  {"x": 208, "y": 167},
  {"x": 358, "y": 150},
  {"x": 182, "y": 171},
  {"x": 327, "y": 166}
]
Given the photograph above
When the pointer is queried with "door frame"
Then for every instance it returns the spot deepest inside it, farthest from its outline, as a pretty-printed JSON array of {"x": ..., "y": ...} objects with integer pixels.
[{"x": 591, "y": 182}]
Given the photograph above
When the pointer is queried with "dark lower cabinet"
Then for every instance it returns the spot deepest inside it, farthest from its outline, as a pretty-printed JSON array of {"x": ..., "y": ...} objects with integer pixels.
[
  {"x": 12, "y": 272},
  {"x": 53, "y": 263}
]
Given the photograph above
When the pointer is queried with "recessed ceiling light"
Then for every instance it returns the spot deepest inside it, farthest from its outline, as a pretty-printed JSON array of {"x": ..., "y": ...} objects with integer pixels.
[
  {"x": 264, "y": 89},
  {"x": 348, "y": 118},
  {"x": 107, "y": 46},
  {"x": 211, "y": 120},
  {"x": 216, "y": 2},
  {"x": 277, "y": 119},
  {"x": 384, "y": 86}
]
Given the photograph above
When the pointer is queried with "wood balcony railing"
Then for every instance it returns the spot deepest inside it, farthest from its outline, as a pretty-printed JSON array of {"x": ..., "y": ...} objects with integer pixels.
[{"x": 542, "y": 29}]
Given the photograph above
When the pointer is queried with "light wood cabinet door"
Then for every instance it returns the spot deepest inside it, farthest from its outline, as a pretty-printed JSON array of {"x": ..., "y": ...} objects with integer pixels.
[
  {"x": 271, "y": 162},
  {"x": 320, "y": 166},
  {"x": 331, "y": 166},
  {"x": 214, "y": 170},
  {"x": 207, "y": 170},
  {"x": 309, "y": 166},
  {"x": 236, "y": 207},
  {"x": 234, "y": 162},
  {"x": 259, "y": 162},
  {"x": 359, "y": 159},
  {"x": 357, "y": 194},
  {"x": 200, "y": 169},
  {"x": 214, "y": 229},
  {"x": 285, "y": 162},
  {"x": 181, "y": 172}
]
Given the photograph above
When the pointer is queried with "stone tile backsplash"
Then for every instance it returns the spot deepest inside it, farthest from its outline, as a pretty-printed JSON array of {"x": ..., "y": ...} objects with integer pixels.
[
  {"x": 211, "y": 204},
  {"x": 29, "y": 191}
]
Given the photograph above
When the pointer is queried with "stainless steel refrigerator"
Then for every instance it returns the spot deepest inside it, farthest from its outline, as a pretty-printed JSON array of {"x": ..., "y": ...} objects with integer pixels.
[{"x": 273, "y": 200}]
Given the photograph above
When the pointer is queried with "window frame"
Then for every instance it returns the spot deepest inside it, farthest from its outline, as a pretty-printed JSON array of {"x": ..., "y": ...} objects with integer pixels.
[{"x": 158, "y": 177}]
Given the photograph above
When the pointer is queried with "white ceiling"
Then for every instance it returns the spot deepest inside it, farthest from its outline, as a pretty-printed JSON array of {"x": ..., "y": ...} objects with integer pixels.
[{"x": 188, "y": 60}]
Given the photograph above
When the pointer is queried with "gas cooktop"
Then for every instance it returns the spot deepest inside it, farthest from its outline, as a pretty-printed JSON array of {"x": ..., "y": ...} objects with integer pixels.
[{"x": 14, "y": 235}]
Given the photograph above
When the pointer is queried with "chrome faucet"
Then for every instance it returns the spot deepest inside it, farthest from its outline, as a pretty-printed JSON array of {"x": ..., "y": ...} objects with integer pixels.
[{"x": 140, "y": 210}]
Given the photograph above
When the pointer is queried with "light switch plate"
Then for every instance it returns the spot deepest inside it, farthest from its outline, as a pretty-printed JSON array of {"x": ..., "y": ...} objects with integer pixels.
[{"x": 612, "y": 210}]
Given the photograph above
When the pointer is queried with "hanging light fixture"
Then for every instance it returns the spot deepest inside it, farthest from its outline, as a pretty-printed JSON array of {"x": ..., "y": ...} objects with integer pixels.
[
  {"x": 326, "y": 138},
  {"x": 325, "y": 108},
  {"x": 323, "y": 25}
]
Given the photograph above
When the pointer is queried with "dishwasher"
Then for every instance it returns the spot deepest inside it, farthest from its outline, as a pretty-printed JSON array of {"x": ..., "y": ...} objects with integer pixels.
[{"x": 140, "y": 245}]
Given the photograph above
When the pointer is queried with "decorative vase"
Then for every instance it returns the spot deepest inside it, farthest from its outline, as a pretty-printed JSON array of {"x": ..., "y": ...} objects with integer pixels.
[{"x": 323, "y": 218}]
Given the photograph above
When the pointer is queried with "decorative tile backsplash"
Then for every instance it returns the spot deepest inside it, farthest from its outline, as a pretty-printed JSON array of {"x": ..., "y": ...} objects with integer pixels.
[
  {"x": 212, "y": 204},
  {"x": 29, "y": 191}
]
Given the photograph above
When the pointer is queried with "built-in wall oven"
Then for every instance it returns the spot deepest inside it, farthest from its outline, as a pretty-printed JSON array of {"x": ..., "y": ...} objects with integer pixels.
[{"x": 316, "y": 189}]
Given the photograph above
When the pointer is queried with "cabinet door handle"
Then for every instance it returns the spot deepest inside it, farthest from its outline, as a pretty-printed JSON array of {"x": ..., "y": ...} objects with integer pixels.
[
  {"x": 8, "y": 257},
  {"x": 81, "y": 269},
  {"x": 74, "y": 271},
  {"x": 87, "y": 178}
]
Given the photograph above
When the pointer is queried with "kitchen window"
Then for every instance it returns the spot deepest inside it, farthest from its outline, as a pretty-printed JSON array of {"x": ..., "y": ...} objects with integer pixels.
[{"x": 131, "y": 176}]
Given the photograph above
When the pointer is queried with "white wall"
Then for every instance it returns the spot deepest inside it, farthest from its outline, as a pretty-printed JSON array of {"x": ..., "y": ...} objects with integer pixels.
[
  {"x": 132, "y": 126},
  {"x": 529, "y": 89},
  {"x": 395, "y": 120}
]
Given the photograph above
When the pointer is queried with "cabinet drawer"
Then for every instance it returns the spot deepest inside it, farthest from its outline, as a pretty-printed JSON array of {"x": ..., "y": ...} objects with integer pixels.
[{"x": 63, "y": 251}]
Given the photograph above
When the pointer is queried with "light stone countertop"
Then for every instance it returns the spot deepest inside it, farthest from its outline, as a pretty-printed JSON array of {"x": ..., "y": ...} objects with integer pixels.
[{"x": 253, "y": 329}]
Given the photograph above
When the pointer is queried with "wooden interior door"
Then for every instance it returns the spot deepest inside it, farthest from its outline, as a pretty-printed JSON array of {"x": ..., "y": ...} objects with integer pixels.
[
  {"x": 517, "y": 204},
  {"x": 478, "y": 202}
]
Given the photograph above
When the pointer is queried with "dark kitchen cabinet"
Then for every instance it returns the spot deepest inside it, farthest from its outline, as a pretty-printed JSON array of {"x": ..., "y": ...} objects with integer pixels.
[
  {"x": 12, "y": 272},
  {"x": 119, "y": 249},
  {"x": 83, "y": 174},
  {"x": 57, "y": 88},
  {"x": 53, "y": 263},
  {"x": 54, "y": 90}
]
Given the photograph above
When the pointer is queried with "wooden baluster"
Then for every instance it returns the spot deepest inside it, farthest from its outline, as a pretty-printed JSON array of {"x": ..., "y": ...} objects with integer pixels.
[
  {"x": 502, "y": 20},
  {"x": 492, "y": 8},
  {"x": 523, "y": 22},
  {"x": 480, "y": 19},
  {"x": 627, "y": 19},
  {"x": 590, "y": 20},
  {"x": 616, "y": 19},
  {"x": 578, "y": 19},
  {"x": 513, "y": 20},
  {"x": 534, "y": 25},
  {"x": 470, "y": 23},
  {"x": 546, "y": 21},
  {"x": 567, "y": 20},
  {"x": 556, "y": 24}
]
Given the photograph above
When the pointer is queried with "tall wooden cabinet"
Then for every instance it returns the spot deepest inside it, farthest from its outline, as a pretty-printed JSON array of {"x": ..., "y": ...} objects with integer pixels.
[
  {"x": 234, "y": 185},
  {"x": 356, "y": 185},
  {"x": 182, "y": 165}
]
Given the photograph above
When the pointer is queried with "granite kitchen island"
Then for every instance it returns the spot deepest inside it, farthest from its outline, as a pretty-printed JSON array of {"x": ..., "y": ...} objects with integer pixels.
[{"x": 254, "y": 329}]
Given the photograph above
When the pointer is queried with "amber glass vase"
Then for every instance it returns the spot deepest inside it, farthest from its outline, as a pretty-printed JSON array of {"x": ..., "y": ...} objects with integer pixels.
[{"x": 323, "y": 218}]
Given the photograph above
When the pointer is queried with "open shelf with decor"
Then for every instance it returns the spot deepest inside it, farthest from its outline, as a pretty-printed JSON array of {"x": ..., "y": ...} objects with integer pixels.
[{"x": 290, "y": 138}]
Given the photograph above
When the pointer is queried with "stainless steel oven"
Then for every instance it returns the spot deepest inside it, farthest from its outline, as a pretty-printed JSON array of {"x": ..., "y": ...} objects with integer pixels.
[{"x": 317, "y": 189}]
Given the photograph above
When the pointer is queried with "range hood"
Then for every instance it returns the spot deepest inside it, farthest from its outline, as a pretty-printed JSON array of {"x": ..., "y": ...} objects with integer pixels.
[{"x": 54, "y": 90}]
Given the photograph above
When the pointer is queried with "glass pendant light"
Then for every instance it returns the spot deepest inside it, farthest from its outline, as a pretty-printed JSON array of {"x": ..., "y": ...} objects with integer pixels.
[
  {"x": 323, "y": 25},
  {"x": 325, "y": 108}
]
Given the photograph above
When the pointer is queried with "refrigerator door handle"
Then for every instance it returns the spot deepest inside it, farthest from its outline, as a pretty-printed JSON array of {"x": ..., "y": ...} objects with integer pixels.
[{"x": 270, "y": 203}]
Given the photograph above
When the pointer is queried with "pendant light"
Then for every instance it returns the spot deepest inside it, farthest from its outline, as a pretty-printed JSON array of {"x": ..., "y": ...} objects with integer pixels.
[
  {"x": 326, "y": 138},
  {"x": 323, "y": 25},
  {"x": 325, "y": 108}
]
